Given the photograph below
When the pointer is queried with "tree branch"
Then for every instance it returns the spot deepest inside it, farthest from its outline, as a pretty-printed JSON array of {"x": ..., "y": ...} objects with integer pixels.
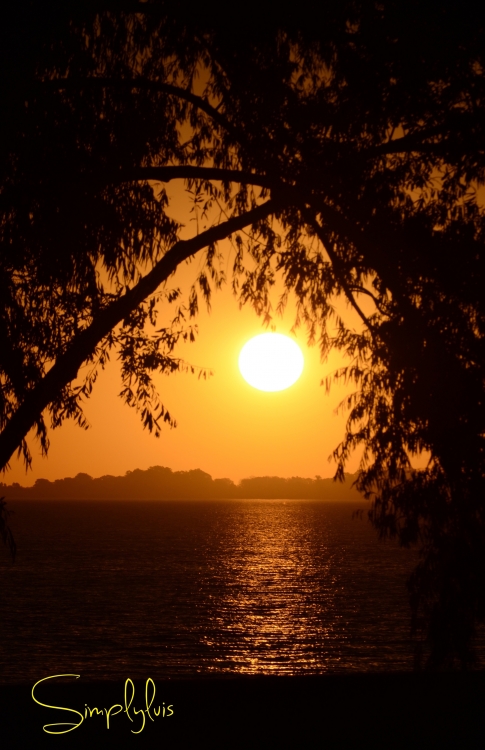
[
  {"x": 187, "y": 172},
  {"x": 411, "y": 142},
  {"x": 362, "y": 290},
  {"x": 337, "y": 266},
  {"x": 144, "y": 85},
  {"x": 83, "y": 344}
]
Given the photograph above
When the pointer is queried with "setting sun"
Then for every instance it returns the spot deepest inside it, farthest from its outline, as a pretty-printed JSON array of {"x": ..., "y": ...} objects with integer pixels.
[{"x": 271, "y": 362}]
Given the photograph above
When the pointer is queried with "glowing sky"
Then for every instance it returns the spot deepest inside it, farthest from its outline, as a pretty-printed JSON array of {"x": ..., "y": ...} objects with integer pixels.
[{"x": 225, "y": 426}]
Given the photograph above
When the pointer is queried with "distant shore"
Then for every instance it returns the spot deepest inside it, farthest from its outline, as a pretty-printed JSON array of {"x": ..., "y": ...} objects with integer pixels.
[
  {"x": 329, "y": 711},
  {"x": 160, "y": 483}
]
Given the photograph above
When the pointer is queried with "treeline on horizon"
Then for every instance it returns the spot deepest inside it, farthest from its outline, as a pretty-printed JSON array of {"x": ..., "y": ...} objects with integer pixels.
[{"x": 161, "y": 483}]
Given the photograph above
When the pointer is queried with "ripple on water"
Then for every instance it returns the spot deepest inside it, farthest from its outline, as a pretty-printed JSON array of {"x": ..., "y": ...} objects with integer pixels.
[{"x": 172, "y": 589}]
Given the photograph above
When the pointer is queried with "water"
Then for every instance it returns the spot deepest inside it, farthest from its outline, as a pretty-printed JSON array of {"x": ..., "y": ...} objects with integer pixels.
[{"x": 178, "y": 589}]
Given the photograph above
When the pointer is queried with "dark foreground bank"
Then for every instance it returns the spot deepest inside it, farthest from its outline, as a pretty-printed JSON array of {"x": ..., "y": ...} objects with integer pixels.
[{"x": 335, "y": 711}]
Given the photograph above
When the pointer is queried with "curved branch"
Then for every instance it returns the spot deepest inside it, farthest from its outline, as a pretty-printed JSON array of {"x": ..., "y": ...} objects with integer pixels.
[
  {"x": 296, "y": 195},
  {"x": 362, "y": 290},
  {"x": 411, "y": 142},
  {"x": 144, "y": 85},
  {"x": 187, "y": 172},
  {"x": 339, "y": 271},
  {"x": 83, "y": 344}
]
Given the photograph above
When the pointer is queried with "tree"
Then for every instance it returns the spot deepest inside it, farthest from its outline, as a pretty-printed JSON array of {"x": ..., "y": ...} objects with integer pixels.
[{"x": 348, "y": 144}]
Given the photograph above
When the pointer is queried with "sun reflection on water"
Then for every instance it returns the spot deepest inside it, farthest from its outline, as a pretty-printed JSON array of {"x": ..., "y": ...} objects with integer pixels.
[
  {"x": 276, "y": 611},
  {"x": 197, "y": 588}
]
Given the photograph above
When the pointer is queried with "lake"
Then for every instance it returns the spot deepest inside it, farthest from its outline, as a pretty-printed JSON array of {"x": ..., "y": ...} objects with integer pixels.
[{"x": 183, "y": 589}]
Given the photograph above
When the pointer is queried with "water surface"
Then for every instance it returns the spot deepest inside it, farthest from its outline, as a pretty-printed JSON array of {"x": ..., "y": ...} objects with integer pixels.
[{"x": 177, "y": 589}]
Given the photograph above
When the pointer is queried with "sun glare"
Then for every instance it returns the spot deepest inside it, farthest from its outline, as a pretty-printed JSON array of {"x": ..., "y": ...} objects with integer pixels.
[{"x": 271, "y": 362}]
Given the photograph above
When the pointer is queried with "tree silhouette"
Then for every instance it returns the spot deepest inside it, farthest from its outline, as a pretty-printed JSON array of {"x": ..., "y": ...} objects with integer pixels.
[{"x": 347, "y": 143}]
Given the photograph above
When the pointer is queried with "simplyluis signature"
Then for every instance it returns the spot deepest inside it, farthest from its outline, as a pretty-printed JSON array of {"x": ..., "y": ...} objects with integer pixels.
[{"x": 116, "y": 708}]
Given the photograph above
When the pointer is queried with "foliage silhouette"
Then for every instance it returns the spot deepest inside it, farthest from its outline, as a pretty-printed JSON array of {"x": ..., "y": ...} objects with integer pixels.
[
  {"x": 347, "y": 143},
  {"x": 161, "y": 483}
]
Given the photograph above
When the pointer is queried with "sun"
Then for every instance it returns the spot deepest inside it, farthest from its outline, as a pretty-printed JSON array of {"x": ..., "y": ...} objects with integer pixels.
[{"x": 271, "y": 362}]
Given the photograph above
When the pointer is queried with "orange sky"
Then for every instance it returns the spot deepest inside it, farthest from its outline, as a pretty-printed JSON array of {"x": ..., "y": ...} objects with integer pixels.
[{"x": 225, "y": 426}]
